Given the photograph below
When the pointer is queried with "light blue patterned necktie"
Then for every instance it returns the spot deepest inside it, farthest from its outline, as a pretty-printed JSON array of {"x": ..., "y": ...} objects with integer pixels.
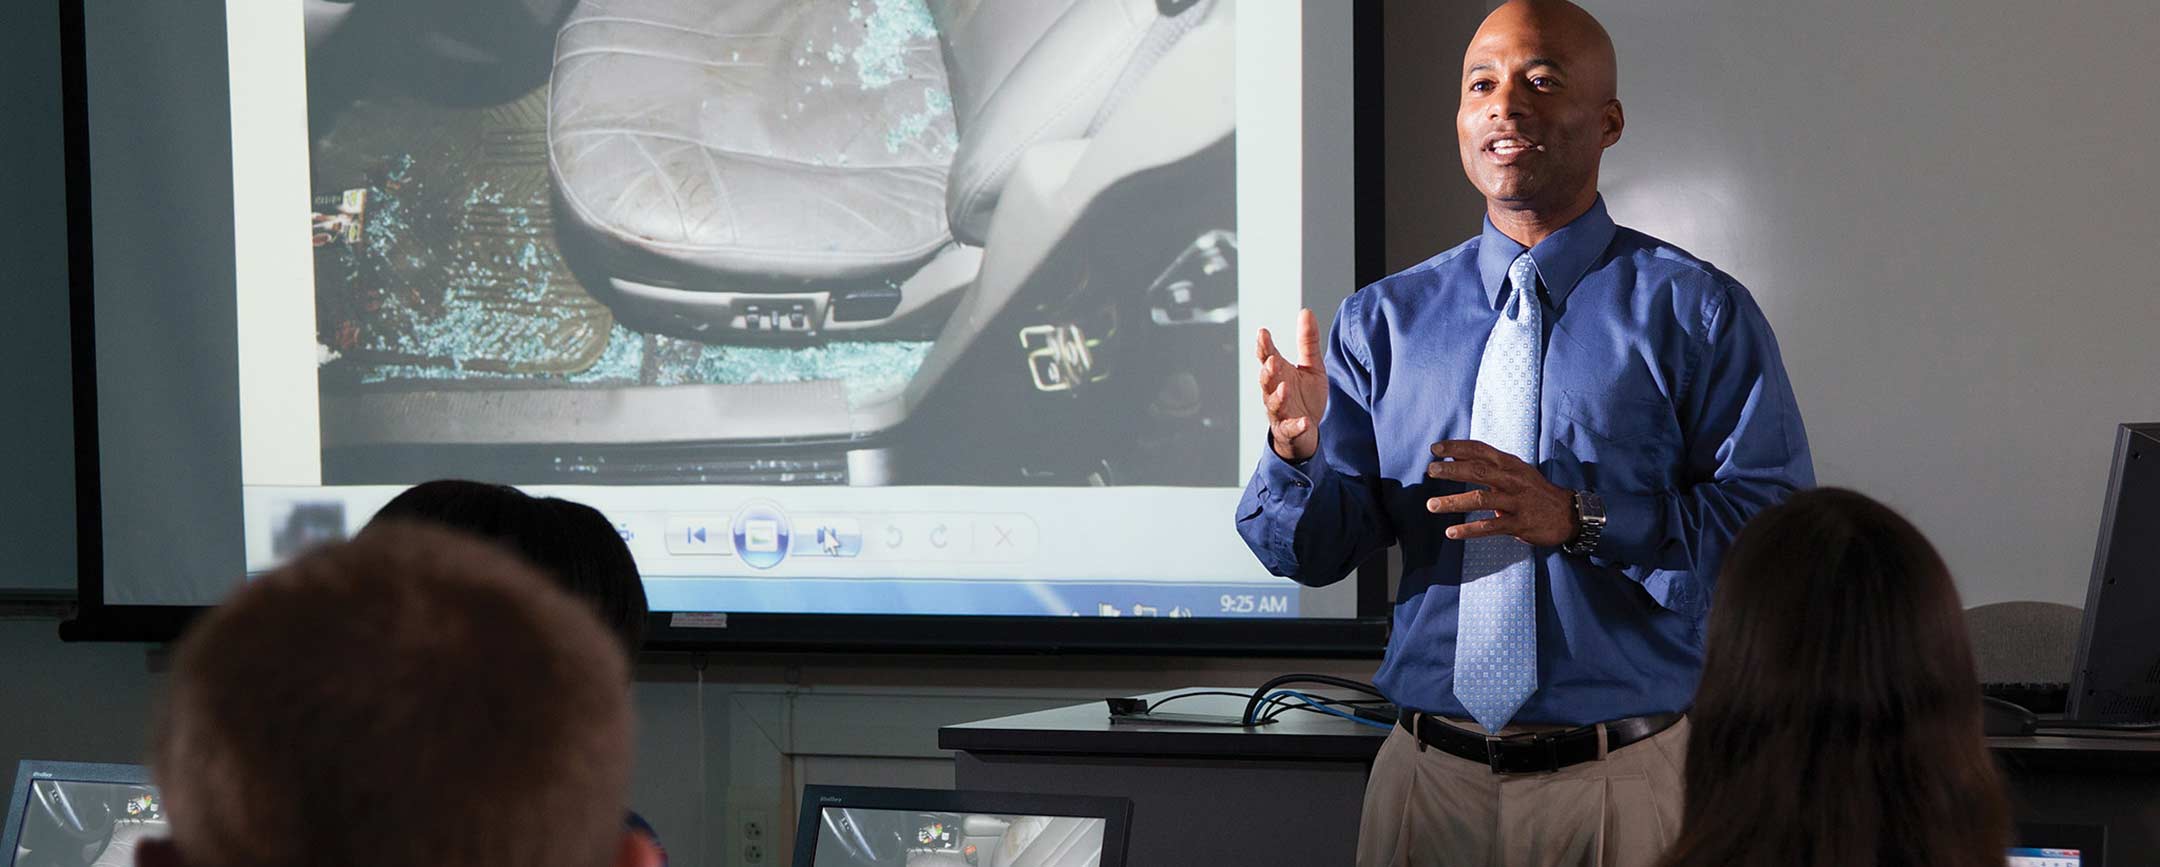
[{"x": 1496, "y": 626}]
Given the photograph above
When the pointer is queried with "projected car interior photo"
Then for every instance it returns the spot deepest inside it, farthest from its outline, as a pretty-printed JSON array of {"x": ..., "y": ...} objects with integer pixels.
[
  {"x": 80, "y": 824},
  {"x": 849, "y": 837},
  {"x": 868, "y": 242}
]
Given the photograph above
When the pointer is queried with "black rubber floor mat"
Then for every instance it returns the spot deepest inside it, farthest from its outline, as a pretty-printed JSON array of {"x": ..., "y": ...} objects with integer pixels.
[{"x": 447, "y": 262}]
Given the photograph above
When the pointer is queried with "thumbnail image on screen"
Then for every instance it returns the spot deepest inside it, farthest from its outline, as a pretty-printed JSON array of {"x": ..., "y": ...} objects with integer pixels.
[
  {"x": 83, "y": 824},
  {"x": 854, "y": 837}
]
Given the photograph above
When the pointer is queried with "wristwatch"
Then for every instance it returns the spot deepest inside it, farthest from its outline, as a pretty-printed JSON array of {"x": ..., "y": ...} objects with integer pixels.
[{"x": 1589, "y": 524}]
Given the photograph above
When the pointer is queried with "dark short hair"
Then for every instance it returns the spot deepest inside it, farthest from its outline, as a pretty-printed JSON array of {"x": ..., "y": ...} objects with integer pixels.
[
  {"x": 572, "y": 542},
  {"x": 1838, "y": 719},
  {"x": 414, "y": 696}
]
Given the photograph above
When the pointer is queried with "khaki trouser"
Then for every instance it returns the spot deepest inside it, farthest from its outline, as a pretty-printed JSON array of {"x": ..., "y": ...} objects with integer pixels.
[{"x": 1427, "y": 808}]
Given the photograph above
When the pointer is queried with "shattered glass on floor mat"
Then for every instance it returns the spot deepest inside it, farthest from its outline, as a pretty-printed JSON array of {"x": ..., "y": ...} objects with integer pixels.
[
  {"x": 867, "y": 369},
  {"x": 456, "y": 276}
]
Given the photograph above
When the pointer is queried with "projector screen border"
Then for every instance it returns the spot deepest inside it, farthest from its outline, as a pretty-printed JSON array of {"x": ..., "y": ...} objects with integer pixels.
[{"x": 1361, "y": 636}]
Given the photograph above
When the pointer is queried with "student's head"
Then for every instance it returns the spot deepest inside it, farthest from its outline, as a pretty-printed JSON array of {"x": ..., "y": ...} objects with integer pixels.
[
  {"x": 1538, "y": 107},
  {"x": 415, "y": 696},
  {"x": 570, "y": 542},
  {"x": 1838, "y": 721}
]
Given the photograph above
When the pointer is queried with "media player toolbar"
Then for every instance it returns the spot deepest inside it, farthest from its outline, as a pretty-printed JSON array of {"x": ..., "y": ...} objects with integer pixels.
[{"x": 763, "y": 535}]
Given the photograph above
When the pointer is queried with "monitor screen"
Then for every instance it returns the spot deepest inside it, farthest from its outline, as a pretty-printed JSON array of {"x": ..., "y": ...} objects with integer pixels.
[
  {"x": 2026, "y": 857},
  {"x": 77, "y": 816},
  {"x": 857, "y": 837},
  {"x": 833, "y": 308}
]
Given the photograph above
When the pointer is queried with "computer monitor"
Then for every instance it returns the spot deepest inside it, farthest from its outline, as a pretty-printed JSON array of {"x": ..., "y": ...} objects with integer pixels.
[
  {"x": 79, "y": 815},
  {"x": 846, "y": 826},
  {"x": 2117, "y": 675},
  {"x": 2044, "y": 845}
]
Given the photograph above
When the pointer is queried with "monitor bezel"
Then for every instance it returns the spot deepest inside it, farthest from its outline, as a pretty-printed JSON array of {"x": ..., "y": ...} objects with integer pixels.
[
  {"x": 1116, "y": 812},
  {"x": 2127, "y": 437}
]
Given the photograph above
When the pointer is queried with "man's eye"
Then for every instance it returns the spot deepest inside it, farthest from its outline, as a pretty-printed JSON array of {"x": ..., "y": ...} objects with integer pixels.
[
  {"x": 1480, "y": 86},
  {"x": 1543, "y": 81}
]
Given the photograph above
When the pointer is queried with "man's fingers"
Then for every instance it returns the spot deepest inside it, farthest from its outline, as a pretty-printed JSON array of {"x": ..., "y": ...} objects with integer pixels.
[
  {"x": 1308, "y": 339},
  {"x": 1474, "y": 472},
  {"x": 1275, "y": 398},
  {"x": 1274, "y": 373},
  {"x": 1267, "y": 346},
  {"x": 1500, "y": 526},
  {"x": 1469, "y": 450},
  {"x": 1471, "y": 501}
]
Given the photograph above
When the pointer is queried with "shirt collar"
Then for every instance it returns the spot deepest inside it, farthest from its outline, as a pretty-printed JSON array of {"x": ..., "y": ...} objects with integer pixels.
[{"x": 1562, "y": 258}]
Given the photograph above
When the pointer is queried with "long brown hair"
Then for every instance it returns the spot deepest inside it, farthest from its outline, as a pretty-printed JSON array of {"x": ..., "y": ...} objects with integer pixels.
[{"x": 1838, "y": 721}]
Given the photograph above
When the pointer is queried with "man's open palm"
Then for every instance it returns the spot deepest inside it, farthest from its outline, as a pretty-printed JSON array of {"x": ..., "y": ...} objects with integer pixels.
[{"x": 1295, "y": 392}]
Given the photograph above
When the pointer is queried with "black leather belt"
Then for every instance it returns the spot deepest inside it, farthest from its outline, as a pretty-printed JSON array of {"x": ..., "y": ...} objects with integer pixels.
[{"x": 1533, "y": 752}]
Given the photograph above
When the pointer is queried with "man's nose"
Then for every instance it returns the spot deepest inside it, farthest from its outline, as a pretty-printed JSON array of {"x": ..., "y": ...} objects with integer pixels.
[{"x": 1511, "y": 100}]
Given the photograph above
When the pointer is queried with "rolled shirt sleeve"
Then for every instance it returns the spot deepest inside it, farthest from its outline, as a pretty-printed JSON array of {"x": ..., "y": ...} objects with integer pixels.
[
  {"x": 1314, "y": 521},
  {"x": 1745, "y": 450}
]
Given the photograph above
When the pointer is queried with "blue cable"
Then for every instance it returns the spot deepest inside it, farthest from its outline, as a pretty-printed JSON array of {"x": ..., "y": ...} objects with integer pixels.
[
  {"x": 1275, "y": 704},
  {"x": 1316, "y": 705}
]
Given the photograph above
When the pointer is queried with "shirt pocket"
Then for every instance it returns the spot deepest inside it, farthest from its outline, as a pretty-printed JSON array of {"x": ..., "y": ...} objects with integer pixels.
[{"x": 1620, "y": 442}]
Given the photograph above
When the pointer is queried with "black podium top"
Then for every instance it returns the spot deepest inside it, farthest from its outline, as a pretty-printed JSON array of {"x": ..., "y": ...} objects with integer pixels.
[
  {"x": 1086, "y": 729},
  {"x": 2123, "y": 754}
]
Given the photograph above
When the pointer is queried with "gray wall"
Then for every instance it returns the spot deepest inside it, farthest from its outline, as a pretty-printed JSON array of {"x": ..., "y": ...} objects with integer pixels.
[{"x": 1948, "y": 212}]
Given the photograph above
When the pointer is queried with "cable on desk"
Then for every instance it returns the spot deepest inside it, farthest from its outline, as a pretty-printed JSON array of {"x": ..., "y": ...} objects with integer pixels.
[
  {"x": 1252, "y": 707},
  {"x": 1314, "y": 704}
]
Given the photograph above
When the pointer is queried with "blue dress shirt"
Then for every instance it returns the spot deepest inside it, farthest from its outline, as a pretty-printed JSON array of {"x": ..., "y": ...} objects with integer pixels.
[{"x": 1663, "y": 392}]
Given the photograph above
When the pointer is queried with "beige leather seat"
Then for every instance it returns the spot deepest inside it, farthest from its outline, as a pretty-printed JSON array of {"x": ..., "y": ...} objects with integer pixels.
[
  {"x": 1051, "y": 841},
  {"x": 799, "y": 166}
]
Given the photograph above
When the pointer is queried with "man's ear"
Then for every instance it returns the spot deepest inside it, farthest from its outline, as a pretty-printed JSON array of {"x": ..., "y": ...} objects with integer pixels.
[
  {"x": 159, "y": 852},
  {"x": 635, "y": 850},
  {"x": 1615, "y": 122}
]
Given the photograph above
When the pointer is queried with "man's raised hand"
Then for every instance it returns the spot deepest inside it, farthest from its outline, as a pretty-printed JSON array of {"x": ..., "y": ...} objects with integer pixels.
[{"x": 1295, "y": 393}]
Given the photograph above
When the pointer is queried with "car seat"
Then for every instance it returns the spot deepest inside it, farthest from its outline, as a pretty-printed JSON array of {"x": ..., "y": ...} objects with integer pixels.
[
  {"x": 796, "y": 167},
  {"x": 1051, "y": 841}
]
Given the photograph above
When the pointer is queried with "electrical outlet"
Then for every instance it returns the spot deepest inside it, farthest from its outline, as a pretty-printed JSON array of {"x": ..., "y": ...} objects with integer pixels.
[{"x": 753, "y": 828}]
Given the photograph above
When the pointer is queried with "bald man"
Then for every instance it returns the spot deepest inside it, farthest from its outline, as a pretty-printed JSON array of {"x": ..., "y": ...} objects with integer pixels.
[{"x": 1561, "y": 423}]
